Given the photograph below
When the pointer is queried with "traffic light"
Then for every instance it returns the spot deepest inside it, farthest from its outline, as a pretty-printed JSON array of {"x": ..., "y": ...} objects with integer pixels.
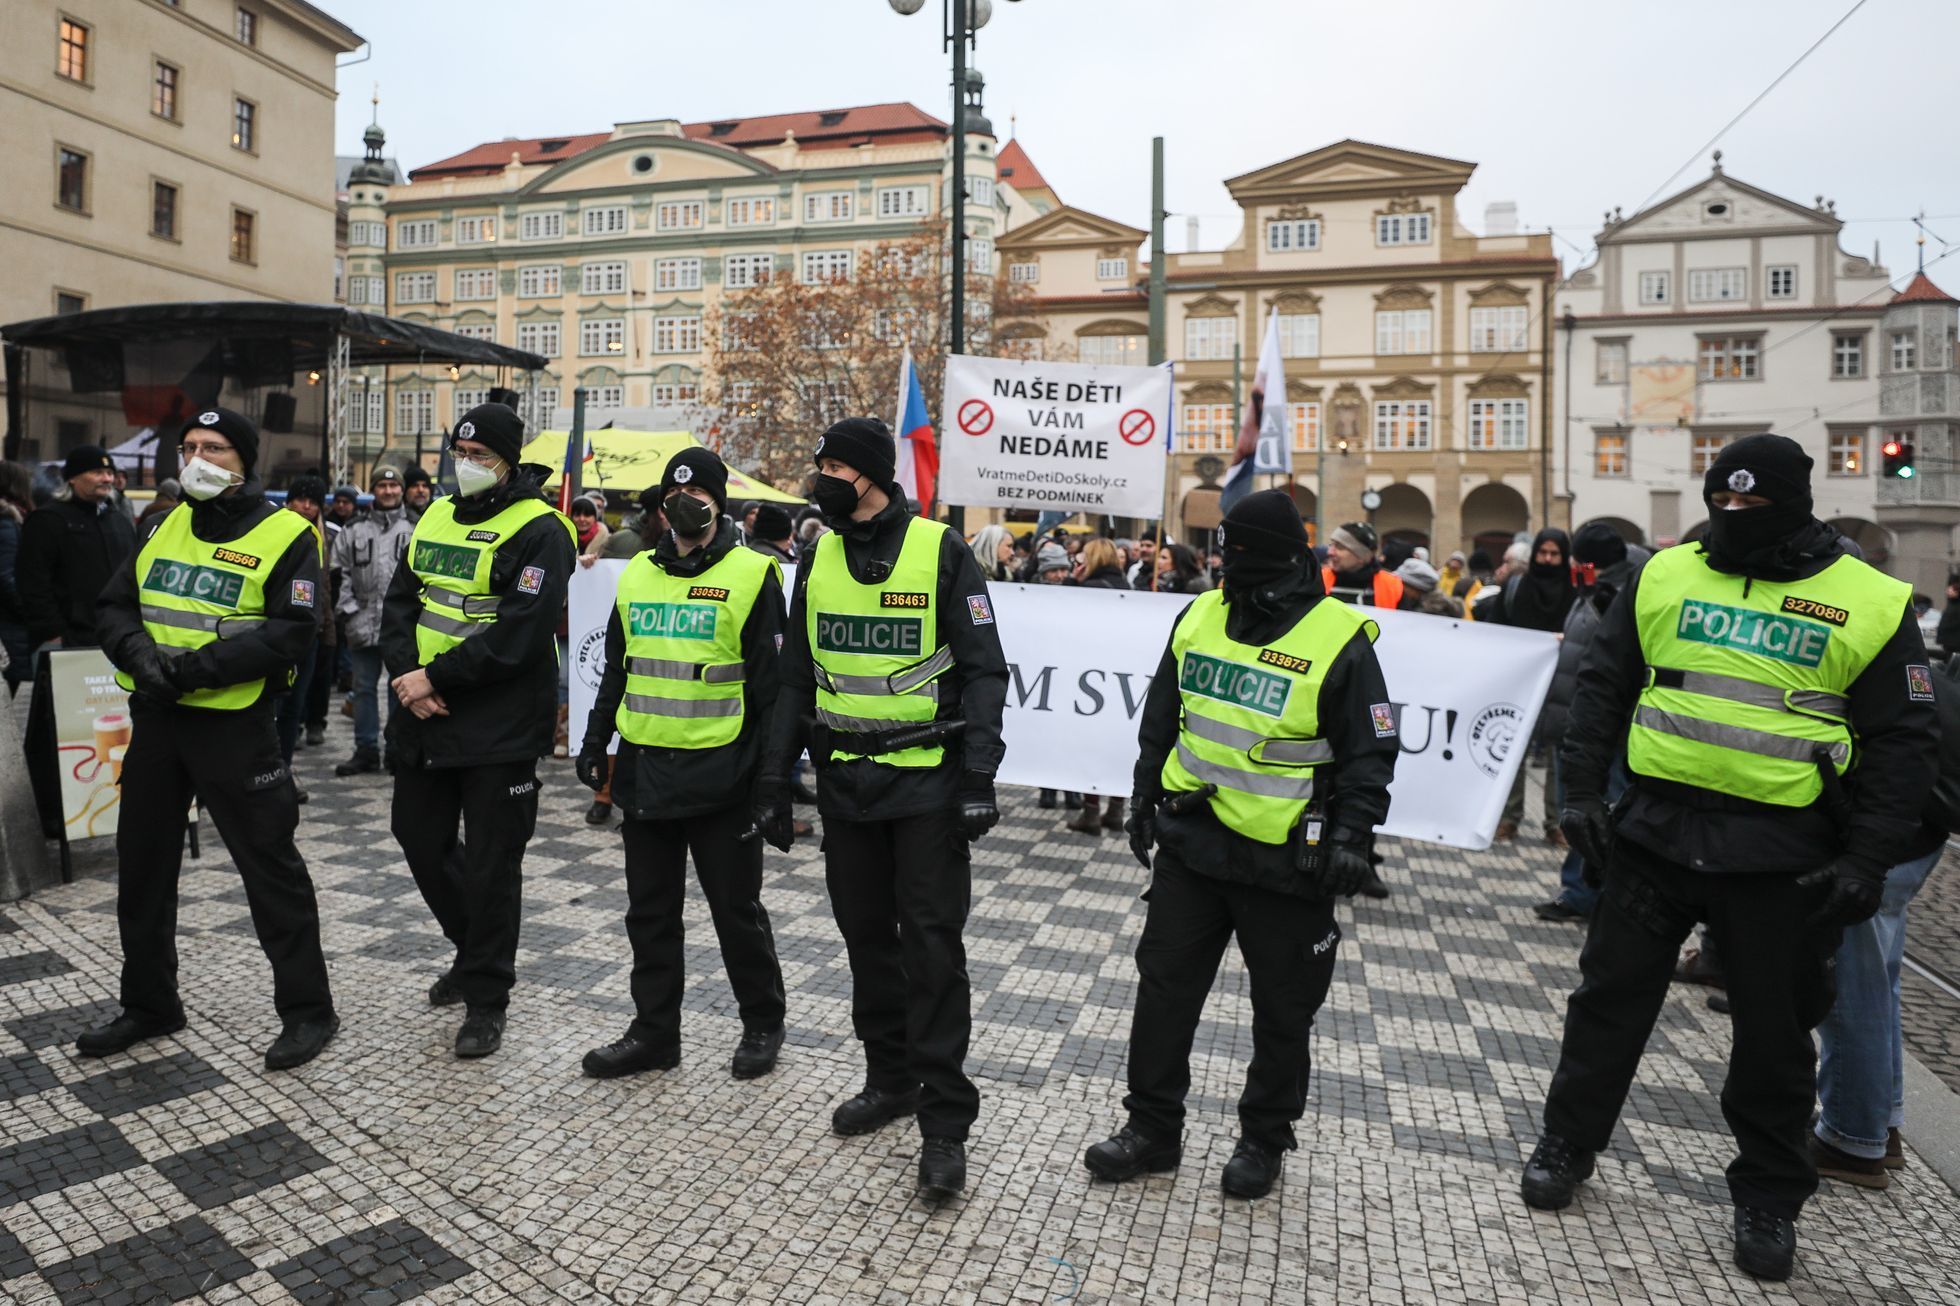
[{"x": 1898, "y": 460}]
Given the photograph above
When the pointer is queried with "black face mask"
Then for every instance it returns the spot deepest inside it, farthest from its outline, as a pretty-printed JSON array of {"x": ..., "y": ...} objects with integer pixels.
[
  {"x": 1740, "y": 536},
  {"x": 1551, "y": 570},
  {"x": 836, "y": 496},
  {"x": 687, "y": 514},
  {"x": 1255, "y": 578}
]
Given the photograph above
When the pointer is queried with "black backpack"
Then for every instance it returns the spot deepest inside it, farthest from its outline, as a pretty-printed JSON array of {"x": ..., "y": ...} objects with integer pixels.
[{"x": 1945, "y": 803}]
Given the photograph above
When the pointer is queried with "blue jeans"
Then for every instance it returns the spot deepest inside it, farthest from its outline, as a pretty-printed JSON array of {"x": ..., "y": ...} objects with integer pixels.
[
  {"x": 1861, "y": 1081},
  {"x": 1573, "y": 890},
  {"x": 368, "y": 669}
]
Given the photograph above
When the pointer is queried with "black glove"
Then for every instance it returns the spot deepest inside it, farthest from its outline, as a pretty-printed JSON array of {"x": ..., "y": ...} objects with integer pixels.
[
  {"x": 978, "y": 811},
  {"x": 591, "y": 766},
  {"x": 1853, "y": 890},
  {"x": 1142, "y": 826},
  {"x": 1344, "y": 864},
  {"x": 770, "y": 814},
  {"x": 1589, "y": 829},
  {"x": 152, "y": 674}
]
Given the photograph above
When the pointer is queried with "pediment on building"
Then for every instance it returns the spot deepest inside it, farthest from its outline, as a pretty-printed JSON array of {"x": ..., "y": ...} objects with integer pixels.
[
  {"x": 1404, "y": 294},
  {"x": 1209, "y": 392},
  {"x": 1719, "y": 205},
  {"x": 1498, "y": 294},
  {"x": 1351, "y": 167},
  {"x": 1499, "y": 385},
  {"x": 1295, "y": 301},
  {"x": 1404, "y": 387},
  {"x": 1299, "y": 392},
  {"x": 1069, "y": 226},
  {"x": 1022, "y": 329},
  {"x": 1113, "y": 326},
  {"x": 618, "y": 163},
  {"x": 1211, "y": 306}
]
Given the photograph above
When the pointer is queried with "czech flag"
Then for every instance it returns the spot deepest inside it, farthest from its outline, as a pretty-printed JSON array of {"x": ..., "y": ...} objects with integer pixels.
[
  {"x": 569, "y": 486},
  {"x": 918, "y": 453}
]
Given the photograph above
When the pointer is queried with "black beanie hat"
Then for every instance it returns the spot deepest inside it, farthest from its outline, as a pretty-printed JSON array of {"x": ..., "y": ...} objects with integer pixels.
[
  {"x": 1360, "y": 540},
  {"x": 698, "y": 467},
  {"x": 1773, "y": 466},
  {"x": 309, "y": 487},
  {"x": 772, "y": 522},
  {"x": 235, "y": 427},
  {"x": 1267, "y": 523},
  {"x": 1599, "y": 544},
  {"x": 414, "y": 475},
  {"x": 495, "y": 425},
  {"x": 86, "y": 458},
  {"x": 864, "y": 443}
]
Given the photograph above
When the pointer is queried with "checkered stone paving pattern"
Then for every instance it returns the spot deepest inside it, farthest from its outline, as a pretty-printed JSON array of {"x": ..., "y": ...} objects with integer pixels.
[{"x": 389, "y": 1172}]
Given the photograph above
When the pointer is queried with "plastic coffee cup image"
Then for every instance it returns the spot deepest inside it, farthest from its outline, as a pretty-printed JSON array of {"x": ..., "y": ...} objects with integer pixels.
[{"x": 111, "y": 730}]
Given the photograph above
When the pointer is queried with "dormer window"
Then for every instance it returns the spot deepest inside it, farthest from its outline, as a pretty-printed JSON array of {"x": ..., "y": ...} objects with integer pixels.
[
  {"x": 722, "y": 129},
  {"x": 832, "y": 119},
  {"x": 552, "y": 147}
]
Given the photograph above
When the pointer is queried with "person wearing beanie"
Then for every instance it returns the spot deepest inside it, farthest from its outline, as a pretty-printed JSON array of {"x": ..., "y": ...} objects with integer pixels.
[
  {"x": 69, "y": 548},
  {"x": 364, "y": 556},
  {"x": 205, "y": 625},
  {"x": 1051, "y": 563},
  {"x": 1268, "y": 729},
  {"x": 1770, "y": 695},
  {"x": 1354, "y": 573},
  {"x": 689, "y": 686},
  {"x": 417, "y": 491},
  {"x": 1418, "y": 577},
  {"x": 469, "y": 639},
  {"x": 892, "y": 648},
  {"x": 771, "y": 533}
]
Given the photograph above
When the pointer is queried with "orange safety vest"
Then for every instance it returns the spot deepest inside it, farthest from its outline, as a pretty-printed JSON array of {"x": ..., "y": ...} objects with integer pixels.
[{"x": 1388, "y": 586}]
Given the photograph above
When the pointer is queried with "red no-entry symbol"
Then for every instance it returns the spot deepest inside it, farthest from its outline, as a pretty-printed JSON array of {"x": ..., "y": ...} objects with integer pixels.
[
  {"x": 975, "y": 418},
  {"x": 1137, "y": 427}
]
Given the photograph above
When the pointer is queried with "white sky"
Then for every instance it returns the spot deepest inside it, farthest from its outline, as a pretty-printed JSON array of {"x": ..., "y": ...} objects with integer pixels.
[{"x": 1568, "y": 107}]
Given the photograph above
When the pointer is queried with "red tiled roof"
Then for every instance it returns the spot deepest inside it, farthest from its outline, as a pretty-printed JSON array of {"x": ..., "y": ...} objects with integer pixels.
[
  {"x": 824, "y": 128},
  {"x": 1018, "y": 170},
  {"x": 1923, "y": 291},
  {"x": 493, "y": 156}
]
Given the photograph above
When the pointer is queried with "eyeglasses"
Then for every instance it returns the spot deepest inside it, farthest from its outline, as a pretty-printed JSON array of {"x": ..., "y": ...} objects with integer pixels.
[
  {"x": 199, "y": 448},
  {"x": 484, "y": 459}
]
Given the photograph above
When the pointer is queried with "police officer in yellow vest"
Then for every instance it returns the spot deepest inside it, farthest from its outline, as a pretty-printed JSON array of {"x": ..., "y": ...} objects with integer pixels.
[
  {"x": 1771, "y": 695},
  {"x": 1267, "y": 743},
  {"x": 689, "y": 686},
  {"x": 204, "y": 625},
  {"x": 892, "y": 649},
  {"x": 469, "y": 636}
]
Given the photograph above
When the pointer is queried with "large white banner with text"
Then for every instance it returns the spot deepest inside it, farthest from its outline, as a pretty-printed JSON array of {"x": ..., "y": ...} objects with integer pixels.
[{"x": 1464, "y": 696}]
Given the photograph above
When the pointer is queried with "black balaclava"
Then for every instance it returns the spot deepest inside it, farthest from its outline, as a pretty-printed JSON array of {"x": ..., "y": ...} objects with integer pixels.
[
  {"x": 1742, "y": 540},
  {"x": 1264, "y": 547}
]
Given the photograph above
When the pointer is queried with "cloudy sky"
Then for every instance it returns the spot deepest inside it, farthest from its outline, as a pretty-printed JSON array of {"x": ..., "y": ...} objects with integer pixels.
[{"x": 1568, "y": 109}]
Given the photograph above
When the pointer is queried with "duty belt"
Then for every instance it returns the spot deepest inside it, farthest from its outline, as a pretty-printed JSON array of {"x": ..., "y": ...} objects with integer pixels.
[
  {"x": 1734, "y": 689},
  {"x": 708, "y": 673},
  {"x": 914, "y": 679},
  {"x": 211, "y": 622}
]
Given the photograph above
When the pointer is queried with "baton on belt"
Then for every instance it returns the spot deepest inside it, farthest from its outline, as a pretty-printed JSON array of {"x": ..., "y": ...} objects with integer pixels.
[{"x": 1190, "y": 800}]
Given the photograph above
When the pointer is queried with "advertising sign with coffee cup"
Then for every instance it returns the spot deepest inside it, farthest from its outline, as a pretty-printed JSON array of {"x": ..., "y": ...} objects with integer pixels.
[{"x": 91, "y": 729}]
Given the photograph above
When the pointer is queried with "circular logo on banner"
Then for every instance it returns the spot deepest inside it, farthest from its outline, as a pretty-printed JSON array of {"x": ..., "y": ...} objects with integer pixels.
[
  {"x": 208, "y": 419},
  {"x": 590, "y": 658},
  {"x": 683, "y": 474},
  {"x": 975, "y": 417},
  {"x": 1492, "y": 732},
  {"x": 467, "y": 431},
  {"x": 1741, "y": 480},
  {"x": 1137, "y": 427}
]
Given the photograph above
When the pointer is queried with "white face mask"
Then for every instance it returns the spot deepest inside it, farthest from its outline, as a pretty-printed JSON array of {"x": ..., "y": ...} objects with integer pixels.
[
  {"x": 202, "y": 480},
  {"x": 472, "y": 479}
]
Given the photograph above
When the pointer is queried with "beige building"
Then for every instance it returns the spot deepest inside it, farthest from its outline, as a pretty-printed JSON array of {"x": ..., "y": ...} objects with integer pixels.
[
  {"x": 161, "y": 150},
  {"x": 1414, "y": 349}
]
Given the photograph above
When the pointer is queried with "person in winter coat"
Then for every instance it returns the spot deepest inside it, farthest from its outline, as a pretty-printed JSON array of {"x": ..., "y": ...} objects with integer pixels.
[
  {"x": 772, "y": 534},
  {"x": 638, "y": 530},
  {"x": 1099, "y": 567},
  {"x": 993, "y": 549},
  {"x": 170, "y": 493},
  {"x": 365, "y": 553},
  {"x": 590, "y": 523},
  {"x": 16, "y": 490},
  {"x": 1536, "y": 597},
  {"x": 1421, "y": 590},
  {"x": 1949, "y": 632},
  {"x": 1178, "y": 571}
]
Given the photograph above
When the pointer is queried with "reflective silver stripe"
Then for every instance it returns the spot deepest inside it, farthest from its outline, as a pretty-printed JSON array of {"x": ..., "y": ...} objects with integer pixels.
[
  {"x": 863, "y": 725},
  {"x": 174, "y": 651},
  {"x": 214, "y": 622},
  {"x": 1740, "y": 738},
  {"x": 472, "y": 605},
  {"x": 649, "y": 705},
  {"x": 719, "y": 673},
  {"x": 907, "y": 680},
  {"x": 1298, "y": 787},
  {"x": 1737, "y": 690},
  {"x": 446, "y": 625},
  {"x": 1295, "y": 752},
  {"x": 1287, "y": 752}
]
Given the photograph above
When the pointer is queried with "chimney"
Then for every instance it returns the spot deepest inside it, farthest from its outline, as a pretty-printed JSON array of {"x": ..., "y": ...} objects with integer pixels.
[
  {"x": 1190, "y": 234},
  {"x": 1501, "y": 218}
]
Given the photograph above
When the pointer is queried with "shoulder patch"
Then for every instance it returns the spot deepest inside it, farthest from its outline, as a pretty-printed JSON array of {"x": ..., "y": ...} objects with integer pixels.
[
  {"x": 979, "y": 609},
  {"x": 1383, "y": 715},
  {"x": 530, "y": 580},
  {"x": 1919, "y": 683},
  {"x": 482, "y": 537},
  {"x": 302, "y": 593},
  {"x": 715, "y": 592}
]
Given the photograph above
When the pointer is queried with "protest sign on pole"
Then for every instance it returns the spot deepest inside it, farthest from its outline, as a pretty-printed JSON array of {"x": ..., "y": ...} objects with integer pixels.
[{"x": 1073, "y": 437}]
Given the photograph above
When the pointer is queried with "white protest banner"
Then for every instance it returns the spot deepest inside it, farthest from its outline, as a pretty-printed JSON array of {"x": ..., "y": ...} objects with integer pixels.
[
  {"x": 1066, "y": 437},
  {"x": 1464, "y": 696}
]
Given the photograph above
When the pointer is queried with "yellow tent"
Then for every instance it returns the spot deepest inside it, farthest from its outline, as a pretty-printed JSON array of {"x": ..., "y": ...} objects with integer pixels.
[{"x": 630, "y": 461}]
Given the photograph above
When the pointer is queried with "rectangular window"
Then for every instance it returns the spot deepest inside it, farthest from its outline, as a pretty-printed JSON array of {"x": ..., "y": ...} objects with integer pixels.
[
  {"x": 1299, "y": 335},
  {"x": 741, "y": 271},
  {"x": 163, "y": 90},
  {"x": 1500, "y": 423},
  {"x": 904, "y": 201},
  {"x": 981, "y": 189},
  {"x": 1402, "y": 229},
  {"x": 1905, "y": 350},
  {"x": 367, "y": 290},
  {"x": 1610, "y": 454},
  {"x": 980, "y": 255},
  {"x": 1702, "y": 451},
  {"x": 678, "y": 215},
  {"x": 1210, "y": 337},
  {"x": 602, "y": 336},
  {"x": 415, "y": 287},
  {"x": 826, "y": 265},
  {"x": 609, "y": 221},
  {"x": 677, "y": 335},
  {"x": 604, "y": 396},
  {"x": 1112, "y": 269},
  {"x": 750, "y": 211},
  {"x": 603, "y": 278},
  {"x": 368, "y": 234},
  {"x": 540, "y": 281},
  {"x": 66, "y": 303},
  {"x": 1782, "y": 280},
  {"x": 1401, "y": 424},
  {"x": 163, "y": 210},
  {"x": 1717, "y": 285},
  {"x": 71, "y": 51},
  {"x": 1656, "y": 288},
  {"x": 685, "y": 392},
  {"x": 476, "y": 283},
  {"x": 464, "y": 398},
  {"x": 476, "y": 231},
  {"x": 734, "y": 332},
  {"x": 1304, "y": 419},
  {"x": 71, "y": 179},
  {"x": 477, "y": 331},
  {"x": 677, "y": 274},
  {"x": 1024, "y": 274},
  {"x": 541, "y": 226},
  {"x": 1847, "y": 452},
  {"x": 415, "y": 410},
  {"x": 538, "y": 338},
  {"x": 1114, "y": 351},
  {"x": 1731, "y": 358},
  {"x": 1498, "y": 330},
  {"x": 1847, "y": 357},
  {"x": 538, "y": 408},
  {"x": 244, "y": 124},
  {"x": 1292, "y": 235},
  {"x": 1610, "y": 363},
  {"x": 415, "y": 235},
  {"x": 1206, "y": 428},
  {"x": 828, "y": 206},
  {"x": 1402, "y": 331},
  {"x": 244, "y": 236},
  {"x": 246, "y": 27}
]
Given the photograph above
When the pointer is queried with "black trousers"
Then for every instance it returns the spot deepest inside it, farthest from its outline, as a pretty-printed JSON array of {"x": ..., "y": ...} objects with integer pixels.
[
  {"x": 475, "y": 885},
  {"x": 1289, "y": 945},
  {"x": 900, "y": 890},
  {"x": 231, "y": 762},
  {"x": 731, "y": 878},
  {"x": 1779, "y": 986}
]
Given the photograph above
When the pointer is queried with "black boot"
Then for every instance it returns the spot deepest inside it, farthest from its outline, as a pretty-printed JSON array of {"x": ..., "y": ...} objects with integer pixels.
[
  {"x": 1129, "y": 1154},
  {"x": 300, "y": 1042},
  {"x": 1555, "y": 1169},
  {"x": 1252, "y": 1170},
  {"x": 363, "y": 761},
  {"x": 599, "y": 813},
  {"x": 482, "y": 1033},
  {"x": 629, "y": 1056},
  {"x": 445, "y": 992},
  {"x": 755, "y": 1055},
  {"x": 1046, "y": 801},
  {"x": 942, "y": 1169},
  {"x": 123, "y": 1033},
  {"x": 1765, "y": 1244},
  {"x": 874, "y": 1108}
]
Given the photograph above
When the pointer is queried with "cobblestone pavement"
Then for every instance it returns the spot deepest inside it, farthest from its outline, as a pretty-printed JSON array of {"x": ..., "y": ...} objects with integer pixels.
[
  {"x": 387, "y": 1171},
  {"x": 1930, "y": 1017}
]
